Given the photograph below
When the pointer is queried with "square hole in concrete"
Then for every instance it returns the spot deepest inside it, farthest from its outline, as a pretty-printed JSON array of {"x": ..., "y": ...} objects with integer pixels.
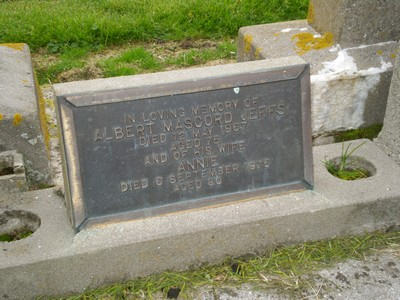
[{"x": 12, "y": 172}]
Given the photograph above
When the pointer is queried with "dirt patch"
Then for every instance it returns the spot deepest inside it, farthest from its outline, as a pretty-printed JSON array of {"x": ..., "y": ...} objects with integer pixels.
[
  {"x": 162, "y": 50},
  {"x": 75, "y": 74}
]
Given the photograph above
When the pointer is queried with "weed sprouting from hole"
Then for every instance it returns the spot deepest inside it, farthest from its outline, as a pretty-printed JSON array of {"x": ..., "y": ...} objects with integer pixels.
[{"x": 346, "y": 167}]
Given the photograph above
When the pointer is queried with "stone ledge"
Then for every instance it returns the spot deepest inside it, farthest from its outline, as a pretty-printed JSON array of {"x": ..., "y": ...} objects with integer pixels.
[
  {"x": 19, "y": 111},
  {"x": 349, "y": 86},
  {"x": 54, "y": 261},
  {"x": 169, "y": 77},
  {"x": 389, "y": 137}
]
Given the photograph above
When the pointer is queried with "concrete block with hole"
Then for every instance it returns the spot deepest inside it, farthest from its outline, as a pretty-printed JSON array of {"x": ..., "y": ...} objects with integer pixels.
[
  {"x": 22, "y": 112},
  {"x": 56, "y": 261},
  {"x": 350, "y": 72}
]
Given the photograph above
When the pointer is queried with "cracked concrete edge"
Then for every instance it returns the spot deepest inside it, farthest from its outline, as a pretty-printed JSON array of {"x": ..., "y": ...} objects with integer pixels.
[{"x": 54, "y": 261}]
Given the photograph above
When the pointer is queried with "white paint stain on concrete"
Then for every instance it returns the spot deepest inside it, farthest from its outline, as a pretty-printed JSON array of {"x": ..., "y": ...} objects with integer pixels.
[
  {"x": 33, "y": 141},
  {"x": 378, "y": 44},
  {"x": 294, "y": 29},
  {"x": 335, "y": 48},
  {"x": 334, "y": 109}
]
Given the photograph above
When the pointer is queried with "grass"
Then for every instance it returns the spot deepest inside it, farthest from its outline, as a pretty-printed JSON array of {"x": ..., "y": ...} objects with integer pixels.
[
  {"x": 74, "y": 58},
  {"x": 130, "y": 62},
  {"x": 344, "y": 169},
  {"x": 139, "y": 60},
  {"x": 346, "y": 174},
  {"x": 78, "y": 64},
  {"x": 288, "y": 269},
  {"x": 11, "y": 237},
  {"x": 59, "y": 25},
  {"x": 70, "y": 32},
  {"x": 223, "y": 50}
]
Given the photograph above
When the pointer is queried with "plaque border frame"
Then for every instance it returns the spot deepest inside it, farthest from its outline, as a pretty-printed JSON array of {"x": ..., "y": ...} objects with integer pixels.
[{"x": 69, "y": 153}]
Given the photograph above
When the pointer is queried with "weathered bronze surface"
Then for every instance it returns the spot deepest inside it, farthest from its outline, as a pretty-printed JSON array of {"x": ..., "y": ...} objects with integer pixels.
[{"x": 140, "y": 152}]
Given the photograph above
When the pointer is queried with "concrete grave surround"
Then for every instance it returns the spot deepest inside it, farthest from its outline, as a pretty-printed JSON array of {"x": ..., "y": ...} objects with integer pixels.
[
  {"x": 20, "y": 125},
  {"x": 349, "y": 81},
  {"x": 55, "y": 261}
]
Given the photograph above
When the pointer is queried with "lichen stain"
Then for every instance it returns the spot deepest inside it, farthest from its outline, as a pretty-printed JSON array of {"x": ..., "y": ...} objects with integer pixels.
[
  {"x": 379, "y": 52},
  {"x": 247, "y": 42},
  {"x": 306, "y": 41},
  {"x": 1, "y": 117},
  {"x": 44, "y": 120},
  {"x": 15, "y": 46},
  {"x": 17, "y": 119},
  {"x": 310, "y": 14},
  {"x": 257, "y": 53},
  {"x": 393, "y": 55}
]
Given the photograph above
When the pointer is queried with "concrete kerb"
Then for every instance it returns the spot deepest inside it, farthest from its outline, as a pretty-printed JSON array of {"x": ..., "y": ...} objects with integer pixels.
[
  {"x": 54, "y": 261},
  {"x": 20, "y": 124},
  {"x": 349, "y": 86},
  {"x": 389, "y": 137}
]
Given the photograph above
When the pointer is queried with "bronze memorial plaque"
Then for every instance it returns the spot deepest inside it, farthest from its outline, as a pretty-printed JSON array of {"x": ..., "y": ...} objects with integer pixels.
[{"x": 142, "y": 151}]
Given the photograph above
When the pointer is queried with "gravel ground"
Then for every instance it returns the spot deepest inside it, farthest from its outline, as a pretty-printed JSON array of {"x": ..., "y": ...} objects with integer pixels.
[{"x": 375, "y": 277}]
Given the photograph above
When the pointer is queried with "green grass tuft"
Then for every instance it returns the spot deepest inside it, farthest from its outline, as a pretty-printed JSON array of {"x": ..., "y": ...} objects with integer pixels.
[
  {"x": 344, "y": 169},
  {"x": 346, "y": 174},
  {"x": 71, "y": 58},
  {"x": 194, "y": 57},
  {"x": 131, "y": 62}
]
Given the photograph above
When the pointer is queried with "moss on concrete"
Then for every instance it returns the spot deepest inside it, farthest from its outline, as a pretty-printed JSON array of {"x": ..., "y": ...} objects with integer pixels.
[
  {"x": 369, "y": 132},
  {"x": 43, "y": 117},
  {"x": 307, "y": 41},
  {"x": 15, "y": 46}
]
